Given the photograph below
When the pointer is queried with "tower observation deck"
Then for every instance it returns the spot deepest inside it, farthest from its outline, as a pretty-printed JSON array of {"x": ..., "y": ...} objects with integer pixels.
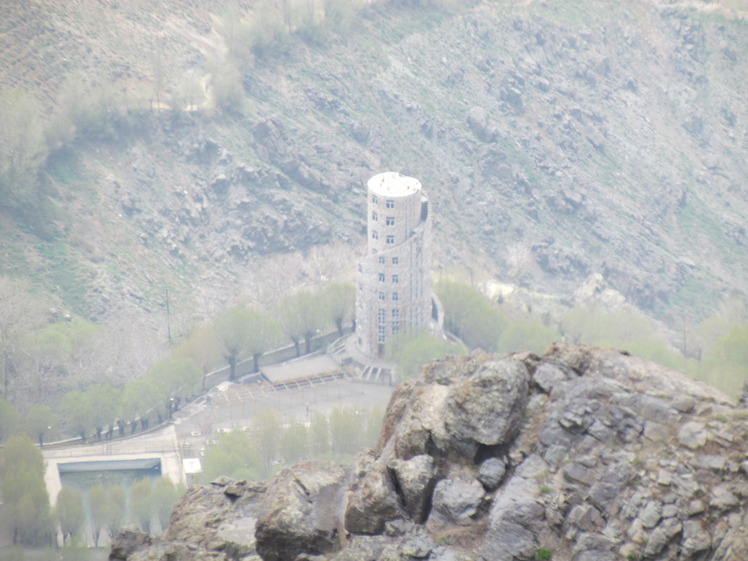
[{"x": 394, "y": 278}]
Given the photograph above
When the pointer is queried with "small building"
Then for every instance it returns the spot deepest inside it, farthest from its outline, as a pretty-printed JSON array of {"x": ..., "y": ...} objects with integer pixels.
[{"x": 394, "y": 277}]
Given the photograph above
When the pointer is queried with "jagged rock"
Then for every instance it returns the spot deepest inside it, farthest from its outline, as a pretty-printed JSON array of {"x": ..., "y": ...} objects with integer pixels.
[
  {"x": 564, "y": 466},
  {"x": 514, "y": 522},
  {"x": 491, "y": 473},
  {"x": 483, "y": 127},
  {"x": 421, "y": 428},
  {"x": 128, "y": 542},
  {"x": 693, "y": 434},
  {"x": 372, "y": 499},
  {"x": 415, "y": 479},
  {"x": 486, "y": 407},
  {"x": 455, "y": 501},
  {"x": 298, "y": 514}
]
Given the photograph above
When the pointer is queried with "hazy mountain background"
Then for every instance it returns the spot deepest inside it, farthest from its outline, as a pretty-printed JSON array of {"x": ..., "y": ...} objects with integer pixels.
[{"x": 171, "y": 158}]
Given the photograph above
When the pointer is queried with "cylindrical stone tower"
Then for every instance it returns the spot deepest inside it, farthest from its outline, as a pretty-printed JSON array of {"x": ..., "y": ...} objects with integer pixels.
[{"x": 394, "y": 278}]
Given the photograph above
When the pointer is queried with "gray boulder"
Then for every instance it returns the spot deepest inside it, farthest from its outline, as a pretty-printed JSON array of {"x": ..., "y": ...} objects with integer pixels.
[
  {"x": 298, "y": 514},
  {"x": 455, "y": 501},
  {"x": 371, "y": 499},
  {"x": 415, "y": 479},
  {"x": 486, "y": 407},
  {"x": 515, "y": 522},
  {"x": 491, "y": 473}
]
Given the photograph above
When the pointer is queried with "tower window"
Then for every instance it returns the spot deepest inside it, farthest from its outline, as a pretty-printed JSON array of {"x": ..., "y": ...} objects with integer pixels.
[
  {"x": 381, "y": 259},
  {"x": 374, "y": 199},
  {"x": 381, "y": 316},
  {"x": 395, "y": 327},
  {"x": 382, "y": 296},
  {"x": 390, "y": 240},
  {"x": 390, "y": 203},
  {"x": 382, "y": 334},
  {"x": 395, "y": 279},
  {"x": 381, "y": 277},
  {"x": 395, "y": 296},
  {"x": 395, "y": 314},
  {"x": 374, "y": 216},
  {"x": 374, "y": 235},
  {"x": 395, "y": 260},
  {"x": 390, "y": 221}
]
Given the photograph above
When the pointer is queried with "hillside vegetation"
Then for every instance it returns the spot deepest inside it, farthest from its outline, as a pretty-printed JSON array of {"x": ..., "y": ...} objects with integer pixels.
[{"x": 163, "y": 162}]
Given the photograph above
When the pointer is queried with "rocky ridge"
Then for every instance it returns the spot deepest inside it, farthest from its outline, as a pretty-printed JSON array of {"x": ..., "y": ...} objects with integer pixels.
[{"x": 582, "y": 454}]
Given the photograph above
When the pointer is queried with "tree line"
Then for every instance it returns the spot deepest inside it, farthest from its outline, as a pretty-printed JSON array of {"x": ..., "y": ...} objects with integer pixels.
[
  {"x": 269, "y": 443},
  {"x": 715, "y": 351},
  {"x": 55, "y": 382},
  {"x": 26, "y": 509}
]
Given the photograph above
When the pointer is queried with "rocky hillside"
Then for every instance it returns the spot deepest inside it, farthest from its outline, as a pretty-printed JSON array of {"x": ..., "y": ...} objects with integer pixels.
[
  {"x": 557, "y": 139},
  {"x": 580, "y": 455}
]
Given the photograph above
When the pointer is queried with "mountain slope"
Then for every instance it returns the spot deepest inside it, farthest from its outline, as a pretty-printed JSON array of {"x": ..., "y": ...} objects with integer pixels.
[{"x": 606, "y": 137}]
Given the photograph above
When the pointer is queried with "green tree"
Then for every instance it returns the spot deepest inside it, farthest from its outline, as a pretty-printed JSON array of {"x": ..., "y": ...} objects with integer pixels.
[
  {"x": 234, "y": 455},
  {"x": 727, "y": 366},
  {"x": 97, "y": 110},
  {"x": 10, "y": 420},
  {"x": 411, "y": 350},
  {"x": 340, "y": 14},
  {"x": 294, "y": 443},
  {"x": 97, "y": 506},
  {"x": 243, "y": 333},
  {"x": 339, "y": 303},
  {"x": 113, "y": 514},
  {"x": 178, "y": 378},
  {"x": 269, "y": 29},
  {"x": 470, "y": 315},
  {"x": 49, "y": 349},
  {"x": 40, "y": 420},
  {"x": 302, "y": 315},
  {"x": 374, "y": 419},
  {"x": 76, "y": 413},
  {"x": 526, "y": 334},
  {"x": 104, "y": 403},
  {"x": 345, "y": 430},
  {"x": 227, "y": 88},
  {"x": 202, "y": 348},
  {"x": 165, "y": 495},
  {"x": 20, "y": 314},
  {"x": 141, "y": 504},
  {"x": 266, "y": 426},
  {"x": 319, "y": 435},
  {"x": 141, "y": 398},
  {"x": 23, "y": 150},
  {"x": 25, "y": 501},
  {"x": 69, "y": 513}
]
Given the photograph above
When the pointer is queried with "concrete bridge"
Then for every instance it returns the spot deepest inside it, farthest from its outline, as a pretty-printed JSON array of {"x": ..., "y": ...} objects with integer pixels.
[{"x": 161, "y": 445}]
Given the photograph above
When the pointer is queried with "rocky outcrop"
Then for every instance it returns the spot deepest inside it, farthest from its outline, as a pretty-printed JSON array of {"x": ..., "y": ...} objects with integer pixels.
[{"x": 579, "y": 455}]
